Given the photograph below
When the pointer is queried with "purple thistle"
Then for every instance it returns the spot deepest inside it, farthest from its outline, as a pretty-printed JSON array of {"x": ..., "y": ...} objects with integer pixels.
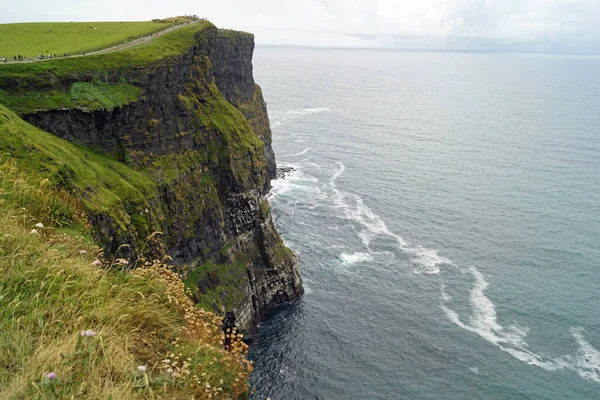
[{"x": 51, "y": 375}]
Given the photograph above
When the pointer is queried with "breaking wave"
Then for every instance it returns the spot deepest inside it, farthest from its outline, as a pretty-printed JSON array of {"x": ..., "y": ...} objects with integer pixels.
[
  {"x": 349, "y": 259},
  {"x": 278, "y": 117},
  {"x": 301, "y": 153},
  {"x": 511, "y": 339}
]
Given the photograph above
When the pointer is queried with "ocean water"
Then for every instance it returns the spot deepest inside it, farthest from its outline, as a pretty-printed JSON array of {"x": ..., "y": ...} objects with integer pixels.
[{"x": 445, "y": 208}]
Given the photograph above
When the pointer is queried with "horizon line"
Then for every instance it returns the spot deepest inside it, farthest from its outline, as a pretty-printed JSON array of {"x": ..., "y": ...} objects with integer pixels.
[{"x": 423, "y": 50}]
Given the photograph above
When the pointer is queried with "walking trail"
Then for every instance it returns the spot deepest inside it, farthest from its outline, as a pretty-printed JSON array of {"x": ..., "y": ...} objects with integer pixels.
[{"x": 133, "y": 43}]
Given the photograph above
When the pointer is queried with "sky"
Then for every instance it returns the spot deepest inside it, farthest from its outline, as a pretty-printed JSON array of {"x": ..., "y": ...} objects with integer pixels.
[{"x": 571, "y": 26}]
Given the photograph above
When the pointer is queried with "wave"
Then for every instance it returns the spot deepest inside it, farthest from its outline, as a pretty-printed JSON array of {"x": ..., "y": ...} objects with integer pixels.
[
  {"x": 482, "y": 318},
  {"x": 278, "y": 118},
  {"x": 483, "y": 321},
  {"x": 302, "y": 152},
  {"x": 307, "y": 111},
  {"x": 349, "y": 259},
  {"x": 587, "y": 361},
  {"x": 294, "y": 179},
  {"x": 425, "y": 260},
  {"x": 337, "y": 173},
  {"x": 511, "y": 339}
]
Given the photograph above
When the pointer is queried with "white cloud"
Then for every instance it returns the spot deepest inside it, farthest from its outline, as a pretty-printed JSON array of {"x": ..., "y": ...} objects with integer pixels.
[{"x": 566, "y": 24}]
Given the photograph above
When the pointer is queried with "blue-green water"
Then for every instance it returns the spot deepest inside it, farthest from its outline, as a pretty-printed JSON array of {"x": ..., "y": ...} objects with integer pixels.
[{"x": 445, "y": 208}]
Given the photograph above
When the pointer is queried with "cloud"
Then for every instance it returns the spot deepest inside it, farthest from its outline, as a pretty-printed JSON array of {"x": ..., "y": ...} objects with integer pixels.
[{"x": 533, "y": 24}]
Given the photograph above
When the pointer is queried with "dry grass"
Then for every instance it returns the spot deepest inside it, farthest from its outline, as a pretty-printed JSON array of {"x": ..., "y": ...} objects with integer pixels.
[{"x": 52, "y": 288}]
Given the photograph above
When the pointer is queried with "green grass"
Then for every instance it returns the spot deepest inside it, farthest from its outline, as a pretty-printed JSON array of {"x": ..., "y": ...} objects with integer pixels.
[
  {"x": 49, "y": 293},
  {"x": 224, "y": 285},
  {"x": 83, "y": 95},
  {"x": 44, "y": 74},
  {"x": 104, "y": 185},
  {"x": 33, "y": 39}
]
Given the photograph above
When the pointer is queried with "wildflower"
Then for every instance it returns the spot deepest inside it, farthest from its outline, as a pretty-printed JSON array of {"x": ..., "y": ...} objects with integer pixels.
[
  {"x": 88, "y": 332},
  {"x": 83, "y": 252},
  {"x": 141, "y": 369},
  {"x": 96, "y": 263},
  {"x": 34, "y": 232},
  {"x": 51, "y": 375},
  {"x": 122, "y": 261},
  {"x": 39, "y": 225}
]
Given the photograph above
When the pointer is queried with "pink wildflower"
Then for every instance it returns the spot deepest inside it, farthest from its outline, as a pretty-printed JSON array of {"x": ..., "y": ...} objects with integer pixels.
[{"x": 51, "y": 375}]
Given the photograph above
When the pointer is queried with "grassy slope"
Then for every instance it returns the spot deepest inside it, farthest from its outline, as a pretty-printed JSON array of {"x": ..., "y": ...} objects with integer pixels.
[
  {"x": 172, "y": 44},
  {"x": 49, "y": 292},
  {"x": 32, "y": 39},
  {"x": 110, "y": 186},
  {"x": 23, "y": 87}
]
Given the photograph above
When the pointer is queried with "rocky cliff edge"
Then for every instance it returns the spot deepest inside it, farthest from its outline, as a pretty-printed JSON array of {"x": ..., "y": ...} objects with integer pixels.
[{"x": 190, "y": 128}]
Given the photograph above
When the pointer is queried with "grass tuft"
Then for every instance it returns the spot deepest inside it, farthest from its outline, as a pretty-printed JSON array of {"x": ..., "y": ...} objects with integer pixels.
[{"x": 148, "y": 341}]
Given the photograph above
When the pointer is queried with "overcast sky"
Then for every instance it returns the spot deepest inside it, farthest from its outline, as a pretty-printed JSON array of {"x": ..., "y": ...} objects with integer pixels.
[{"x": 534, "y": 25}]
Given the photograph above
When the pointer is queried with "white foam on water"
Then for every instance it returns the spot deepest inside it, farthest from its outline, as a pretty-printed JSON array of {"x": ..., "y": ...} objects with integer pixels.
[
  {"x": 296, "y": 179},
  {"x": 445, "y": 296},
  {"x": 308, "y": 111},
  {"x": 299, "y": 154},
  {"x": 349, "y": 259},
  {"x": 308, "y": 285},
  {"x": 280, "y": 117},
  {"x": 482, "y": 318},
  {"x": 425, "y": 260},
  {"x": 428, "y": 260},
  {"x": 483, "y": 321},
  {"x": 337, "y": 173},
  {"x": 474, "y": 370},
  {"x": 511, "y": 339},
  {"x": 586, "y": 362}
]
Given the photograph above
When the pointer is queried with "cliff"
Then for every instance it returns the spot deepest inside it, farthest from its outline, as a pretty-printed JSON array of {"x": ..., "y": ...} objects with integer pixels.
[{"x": 184, "y": 128}]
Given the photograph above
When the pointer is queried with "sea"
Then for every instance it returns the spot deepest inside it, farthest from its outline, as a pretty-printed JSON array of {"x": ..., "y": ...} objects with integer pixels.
[{"x": 445, "y": 209}]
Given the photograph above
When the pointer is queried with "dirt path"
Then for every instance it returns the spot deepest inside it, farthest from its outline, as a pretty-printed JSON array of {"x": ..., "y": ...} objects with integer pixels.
[{"x": 133, "y": 43}]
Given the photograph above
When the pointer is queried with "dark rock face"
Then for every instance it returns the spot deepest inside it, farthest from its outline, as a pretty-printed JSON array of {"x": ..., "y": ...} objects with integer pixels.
[
  {"x": 236, "y": 82},
  {"x": 210, "y": 169}
]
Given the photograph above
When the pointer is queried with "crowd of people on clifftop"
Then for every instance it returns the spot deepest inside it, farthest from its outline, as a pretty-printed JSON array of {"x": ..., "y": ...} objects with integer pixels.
[{"x": 20, "y": 57}]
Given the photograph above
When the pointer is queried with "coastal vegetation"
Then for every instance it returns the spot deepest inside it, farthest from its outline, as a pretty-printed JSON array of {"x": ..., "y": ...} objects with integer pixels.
[
  {"x": 91, "y": 305},
  {"x": 75, "y": 324},
  {"x": 33, "y": 39}
]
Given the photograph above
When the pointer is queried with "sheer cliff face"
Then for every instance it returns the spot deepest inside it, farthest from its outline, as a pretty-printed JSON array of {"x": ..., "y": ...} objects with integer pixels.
[{"x": 200, "y": 130}]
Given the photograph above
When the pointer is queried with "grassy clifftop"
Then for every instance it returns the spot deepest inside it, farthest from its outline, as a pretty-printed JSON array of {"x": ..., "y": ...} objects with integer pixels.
[
  {"x": 81, "y": 82},
  {"x": 175, "y": 43},
  {"x": 33, "y": 39}
]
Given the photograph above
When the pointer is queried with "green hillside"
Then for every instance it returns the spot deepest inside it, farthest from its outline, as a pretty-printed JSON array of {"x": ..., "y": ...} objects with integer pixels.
[
  {"x": 53, "y": 287},
  {"x": 33, "y": 39},
  {"x": 149, "y": 339},
  {"x": 23, "y": 86}
]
